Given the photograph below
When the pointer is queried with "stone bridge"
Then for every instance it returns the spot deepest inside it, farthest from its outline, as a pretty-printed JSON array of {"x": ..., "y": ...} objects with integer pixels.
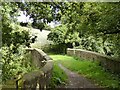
[{"x": 40, "y": 79}]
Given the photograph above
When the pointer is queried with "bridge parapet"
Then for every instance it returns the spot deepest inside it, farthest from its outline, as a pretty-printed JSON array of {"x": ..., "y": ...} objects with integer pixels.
[
  {"x": 35, "y": 80},
  {"x": 38, "y": 79},
  {"x": 109, "y": 63}
]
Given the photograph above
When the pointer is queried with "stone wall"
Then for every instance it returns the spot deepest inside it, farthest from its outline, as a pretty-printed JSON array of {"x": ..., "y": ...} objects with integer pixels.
[
  {"x": 38, "y": 79},
  {"x": 109, "y": 63},
  {"x": 35, "y": 80},
  {"x": 39, "y": 58}
]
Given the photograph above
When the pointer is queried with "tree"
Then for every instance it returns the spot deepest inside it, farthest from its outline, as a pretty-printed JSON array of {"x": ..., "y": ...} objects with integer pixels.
[
  {"x": 98, "y": 20},
  {"x": 14, "y": 38},
  {"x": 92, "y": 17},
  {"x": 58, "y": 36},
  {"x": 12, "y": 34},
  {"x": 41, "y": 12}
]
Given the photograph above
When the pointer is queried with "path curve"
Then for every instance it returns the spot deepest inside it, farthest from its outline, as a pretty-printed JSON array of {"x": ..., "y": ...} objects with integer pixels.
[{"x": 75, "y": 80}]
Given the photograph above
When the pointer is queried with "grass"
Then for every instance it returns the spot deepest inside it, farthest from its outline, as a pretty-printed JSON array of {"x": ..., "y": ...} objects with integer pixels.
[
  {"x": 59, "y": 77},
  {"x": 90, "y": 70}
]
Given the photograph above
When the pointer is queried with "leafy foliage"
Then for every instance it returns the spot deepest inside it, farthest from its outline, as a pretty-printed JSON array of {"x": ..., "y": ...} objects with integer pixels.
[
  {"x": 93, "y": 26},
  {"x": 15, "y": 64},
  {"x": 12, "y": 33},
  {"x": 40, "y": 12},
  {"x": 58, "y": 34},
  {"x": 14, "y": 60}
]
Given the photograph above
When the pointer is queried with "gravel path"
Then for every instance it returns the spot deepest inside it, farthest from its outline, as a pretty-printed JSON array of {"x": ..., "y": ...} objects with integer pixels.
[{"x": 75, "y": 80}]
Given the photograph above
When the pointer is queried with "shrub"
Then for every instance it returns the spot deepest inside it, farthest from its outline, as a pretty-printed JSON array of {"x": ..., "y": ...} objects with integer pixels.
[{"x": 14, "y": 64}]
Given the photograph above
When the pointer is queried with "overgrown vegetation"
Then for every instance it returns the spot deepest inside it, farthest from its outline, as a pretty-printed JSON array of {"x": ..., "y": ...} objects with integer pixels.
[
  {"x": 15, "y": 64},
  {"x": 59, "y": 78},
  {"x": 90, "y": 70},
  {"x": 14, "y": 40},
  {"x": 55, "y": 49},
  {"x": 90, "y": 26}
]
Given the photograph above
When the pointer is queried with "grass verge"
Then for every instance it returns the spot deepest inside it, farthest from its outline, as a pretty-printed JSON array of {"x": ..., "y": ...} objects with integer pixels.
[
  {"x": 90, "y": 70},
  {"x": 59, "y": 78}
]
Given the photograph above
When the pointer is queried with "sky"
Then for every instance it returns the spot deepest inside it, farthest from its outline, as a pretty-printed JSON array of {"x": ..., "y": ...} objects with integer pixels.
[{"x": 23, "y": 18}]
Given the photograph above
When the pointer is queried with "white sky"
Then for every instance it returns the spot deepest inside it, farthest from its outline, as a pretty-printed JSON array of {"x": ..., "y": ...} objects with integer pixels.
[{"x": 23, "y": 18}]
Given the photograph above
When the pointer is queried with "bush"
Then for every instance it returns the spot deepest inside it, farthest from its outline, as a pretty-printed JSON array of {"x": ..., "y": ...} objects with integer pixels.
[
  {"x": 55, "y": 49},
  {"x": 14, "y": 64}
]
